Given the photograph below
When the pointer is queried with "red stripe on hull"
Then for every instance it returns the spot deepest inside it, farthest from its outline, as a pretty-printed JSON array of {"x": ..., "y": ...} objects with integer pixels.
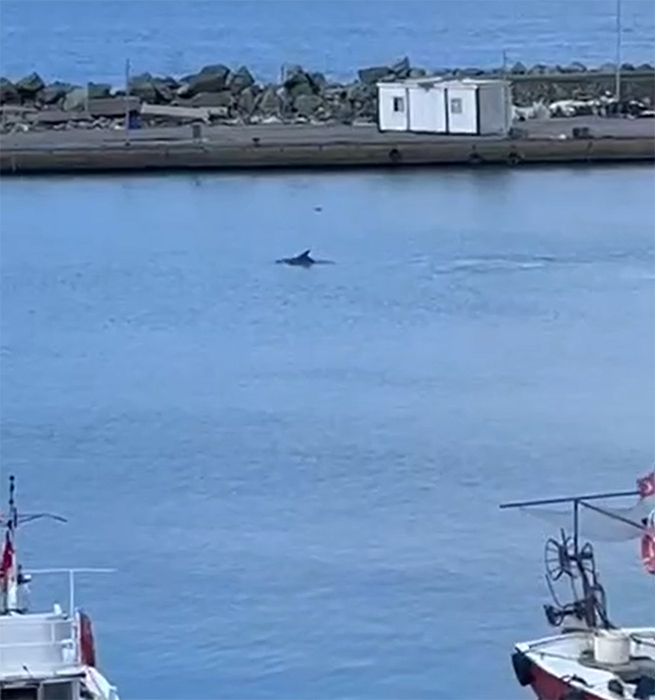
[{"x": 549, "y": 687}]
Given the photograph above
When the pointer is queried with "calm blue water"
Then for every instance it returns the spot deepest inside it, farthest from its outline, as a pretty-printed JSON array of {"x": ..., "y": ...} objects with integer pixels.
[
  {"x": 296, "y": 473},
  {"x": 91, "y": 39}
]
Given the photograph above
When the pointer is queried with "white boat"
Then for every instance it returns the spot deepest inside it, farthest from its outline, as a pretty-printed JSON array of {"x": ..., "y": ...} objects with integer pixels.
[
  {"x": 43, "y": 655},
  {"x": 591, "y": 658}
]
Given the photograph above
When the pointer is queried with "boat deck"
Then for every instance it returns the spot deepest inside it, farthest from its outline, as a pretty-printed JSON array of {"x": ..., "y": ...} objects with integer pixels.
[
  {"x": 637, "y": 666},
  {"x": 568, "y": 659}
]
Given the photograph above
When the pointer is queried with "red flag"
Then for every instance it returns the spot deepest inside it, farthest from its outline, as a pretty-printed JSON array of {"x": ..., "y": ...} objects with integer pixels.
[
  {"x": 646, "y": 485},
  {"x": 7, "y": 561}
]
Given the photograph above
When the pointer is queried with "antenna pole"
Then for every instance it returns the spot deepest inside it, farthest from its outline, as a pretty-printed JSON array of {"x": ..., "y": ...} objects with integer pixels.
[
  {"x": 576, "y": 521},
  {"x": 71, "y": 592},
  {"x": 617, "y": 76},
  {"x": 13, "y": 515},
  {"x": 127, "y": 101}
]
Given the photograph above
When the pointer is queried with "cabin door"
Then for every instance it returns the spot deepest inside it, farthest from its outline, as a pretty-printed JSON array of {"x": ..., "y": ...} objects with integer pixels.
[{"x": 427, "y": 110}]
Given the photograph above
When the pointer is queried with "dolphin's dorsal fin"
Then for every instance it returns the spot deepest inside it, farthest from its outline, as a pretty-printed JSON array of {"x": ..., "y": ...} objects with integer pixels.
[{"x": 305, "y": 254}]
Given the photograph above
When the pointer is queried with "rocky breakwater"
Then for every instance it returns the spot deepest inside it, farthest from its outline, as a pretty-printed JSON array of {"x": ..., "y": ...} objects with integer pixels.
[
  {"x": 218, "y": 93},
  {"x": 552, "y": 83}
]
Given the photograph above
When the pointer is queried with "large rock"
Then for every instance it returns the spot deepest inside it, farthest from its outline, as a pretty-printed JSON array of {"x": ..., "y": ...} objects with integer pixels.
[
  {"x": 153, "y": 90},
  {"x": 210, "y": 79},
  {"x": 293, "y": 73},
  {"x": 372, "y": 75},
  {"x": 343, "y": 113},
  {"x": 211, "y": 99},
  {"x": 98, "y": 91},
  {"x": 401, "y": 69},
  {"x": 240, "y": 80},
  {"x": 247, "y": 100},
  {"x": 8, "y": 92},
  {"x": 75, "y": 100},
  {"x": 143, "y": 87},
  {"x": 53, "y": 93},
  {"x": 307, "y": 105},
  {"x": 367, "y": 111},
  {"x": 538, "y": 69},
  {"x": 577, "y": 67},
  {"x": 164, "y": 89},
  {"x": 335, "y": 91},
  {"x": 318, "y": 81},
  {"x": 306, "y": 88},
  {"x": 168, "y": 81},
  {"x": 360, "y": 92},
  {"x": 269, "y": 103},
  {"x": 297, "y": 82},
  {"x": 28, "y": 86},
  {"x": 472, "y": 72},
  {"x": 362, "y": 100}
]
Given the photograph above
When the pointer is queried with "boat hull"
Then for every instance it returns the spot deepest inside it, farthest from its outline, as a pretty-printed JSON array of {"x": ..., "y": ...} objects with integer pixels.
[{"x": 545, "y": 685}]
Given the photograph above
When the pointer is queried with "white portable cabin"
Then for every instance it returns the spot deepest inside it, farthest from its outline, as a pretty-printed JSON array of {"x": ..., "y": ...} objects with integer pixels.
[{"x": 437, "y": 106}]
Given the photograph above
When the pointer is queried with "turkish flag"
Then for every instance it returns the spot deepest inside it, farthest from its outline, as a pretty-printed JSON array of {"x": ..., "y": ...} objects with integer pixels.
[{"x": 7, "y": 561}]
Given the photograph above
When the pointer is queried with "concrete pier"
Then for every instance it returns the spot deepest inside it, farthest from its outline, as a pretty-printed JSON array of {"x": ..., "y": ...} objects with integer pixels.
[{"x": 320, "y": 146}]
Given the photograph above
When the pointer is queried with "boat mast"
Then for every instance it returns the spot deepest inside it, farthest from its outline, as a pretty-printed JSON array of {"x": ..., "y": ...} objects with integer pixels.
[
  {"x": 568, "y": 557},
  {"x": 10, "y": 576}
]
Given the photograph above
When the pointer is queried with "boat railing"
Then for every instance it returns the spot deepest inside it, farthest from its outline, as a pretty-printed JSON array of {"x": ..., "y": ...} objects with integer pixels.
[{"x": 71, "y": 573}]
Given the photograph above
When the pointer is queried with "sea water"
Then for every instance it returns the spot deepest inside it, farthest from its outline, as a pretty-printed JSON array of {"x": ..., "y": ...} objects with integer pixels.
[{"x": 297, "y": 473}]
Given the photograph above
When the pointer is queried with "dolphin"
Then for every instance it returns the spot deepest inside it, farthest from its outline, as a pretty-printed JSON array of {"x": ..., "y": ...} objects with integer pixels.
[{"x": 303, "y": 260}]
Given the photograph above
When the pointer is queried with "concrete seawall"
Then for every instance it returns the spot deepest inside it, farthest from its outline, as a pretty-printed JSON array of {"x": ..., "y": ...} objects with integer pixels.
[{"x": 228, "y": 148}]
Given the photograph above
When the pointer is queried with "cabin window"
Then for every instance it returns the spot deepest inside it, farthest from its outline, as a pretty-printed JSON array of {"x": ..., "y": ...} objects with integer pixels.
[
  {"x": 456, "y": 105},
  {"x": 57, "y": 691},
  {"x": 398, "y": 104}
]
